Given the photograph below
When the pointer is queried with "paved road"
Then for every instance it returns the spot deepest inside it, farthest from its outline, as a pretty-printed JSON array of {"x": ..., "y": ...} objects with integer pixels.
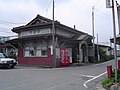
[{"x": 36, "y": 78}]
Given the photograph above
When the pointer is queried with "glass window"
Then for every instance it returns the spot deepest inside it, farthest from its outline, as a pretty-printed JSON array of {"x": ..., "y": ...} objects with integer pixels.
[
  {"x": 26, "y": 53},
  {"x": 34, "y": 31},
  {"x": 32, "y": 53},
  {"x": 39, "y": 50},
  {"x": 38, "y": 31},
  {"x": 43, "y": 52},
  {"x": 30, "y": 32}
]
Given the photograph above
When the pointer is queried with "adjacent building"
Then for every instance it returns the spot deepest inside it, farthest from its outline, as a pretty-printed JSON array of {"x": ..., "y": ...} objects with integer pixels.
[
  {"x": 6, "y": 48},
  {"x": 108, "y": 50}
]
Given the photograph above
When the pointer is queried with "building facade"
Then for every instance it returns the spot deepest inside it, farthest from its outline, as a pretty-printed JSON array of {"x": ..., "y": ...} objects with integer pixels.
[{"x": 35, "y": 45}]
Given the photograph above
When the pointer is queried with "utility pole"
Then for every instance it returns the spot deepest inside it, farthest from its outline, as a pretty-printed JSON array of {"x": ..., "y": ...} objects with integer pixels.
[
  {"x": 93, "y": 32},
  {"x": 110, "y": 43},
  {"x": 118, "y": 13},
  {"x": 98, "y": 55},
  {"x": 118, "y": 16},
  {"x": 53, "y": 40},
  {"x": 111, "y": 47},
  {"x": 115, "y": 48}
]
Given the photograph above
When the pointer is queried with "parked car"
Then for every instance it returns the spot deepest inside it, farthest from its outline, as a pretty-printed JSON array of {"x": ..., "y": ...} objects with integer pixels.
[{"x": 7, "y": 62}]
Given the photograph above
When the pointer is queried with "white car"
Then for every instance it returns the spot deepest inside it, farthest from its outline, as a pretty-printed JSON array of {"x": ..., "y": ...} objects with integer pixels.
[{"x": 7, "y": 62}]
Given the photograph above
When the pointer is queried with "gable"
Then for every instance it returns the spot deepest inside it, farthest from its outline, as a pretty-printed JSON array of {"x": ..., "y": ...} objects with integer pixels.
[{"x": 39, "y": 20}]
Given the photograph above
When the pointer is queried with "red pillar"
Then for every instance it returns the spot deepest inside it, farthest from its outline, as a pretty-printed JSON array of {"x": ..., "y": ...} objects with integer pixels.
[
  {"x": 109, "y": 71},
  {"x": 119, "y": 64}
]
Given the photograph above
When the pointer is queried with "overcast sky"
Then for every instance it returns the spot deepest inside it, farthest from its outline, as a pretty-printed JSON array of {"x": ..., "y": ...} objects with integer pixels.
[{"x": 69, "y": 12}]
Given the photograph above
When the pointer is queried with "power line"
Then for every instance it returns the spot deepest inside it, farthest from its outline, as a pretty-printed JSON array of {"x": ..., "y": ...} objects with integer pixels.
[
  {"x": 96, "y": 3},
  {"x": 102, "y": 12},
  {"x": 85, "y": 20},
  {"x": 4, "y": 28},
  {"x": 9, "y": 22},
  {"x": 5, "y": 31},
  {"x": 100, "y": 4},
  {"x": 48, "y": 7}
]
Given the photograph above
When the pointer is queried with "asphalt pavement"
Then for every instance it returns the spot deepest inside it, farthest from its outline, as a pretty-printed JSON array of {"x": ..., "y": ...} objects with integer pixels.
[{"x": 75, "y": 77}]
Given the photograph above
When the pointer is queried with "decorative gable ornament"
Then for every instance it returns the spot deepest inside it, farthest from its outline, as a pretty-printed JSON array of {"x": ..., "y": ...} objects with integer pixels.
[{"x": 39, "y": 20}]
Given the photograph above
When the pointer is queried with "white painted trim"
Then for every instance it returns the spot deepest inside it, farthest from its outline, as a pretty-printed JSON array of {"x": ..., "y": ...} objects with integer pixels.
[{"x": 85, "y": 84}]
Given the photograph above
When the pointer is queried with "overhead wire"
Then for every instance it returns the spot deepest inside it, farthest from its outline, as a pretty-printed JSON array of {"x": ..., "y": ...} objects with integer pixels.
[
  {"x": 96, "y": 3},
  {"x": 4, "y": 30},
  {"x": 97, "y": 6},
  {"x": 86, "y": 3},
  {"x": 102, "y": 12},
  {"x": 85, "y": 20},
  {"x": 9, "y": 22},
  {"x": 48, "y": 7}
]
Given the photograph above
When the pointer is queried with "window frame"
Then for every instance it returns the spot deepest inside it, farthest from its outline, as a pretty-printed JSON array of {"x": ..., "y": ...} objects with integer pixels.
[{"x": 29, "y": 47}]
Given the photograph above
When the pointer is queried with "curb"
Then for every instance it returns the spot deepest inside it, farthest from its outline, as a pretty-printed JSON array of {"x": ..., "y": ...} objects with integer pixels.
[{"x": 99, "y": 86}]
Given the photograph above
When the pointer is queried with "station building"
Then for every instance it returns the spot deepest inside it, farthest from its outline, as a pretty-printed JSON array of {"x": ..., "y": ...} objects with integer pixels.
[{"x": 35, "y": 45}]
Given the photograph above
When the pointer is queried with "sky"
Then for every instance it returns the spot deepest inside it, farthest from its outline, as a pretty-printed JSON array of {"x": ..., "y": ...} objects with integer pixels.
[{"x": 15, "y": 13}]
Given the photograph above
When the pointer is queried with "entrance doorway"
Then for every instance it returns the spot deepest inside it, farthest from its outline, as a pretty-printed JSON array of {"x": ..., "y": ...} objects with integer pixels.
[{"x": 84, "y": 53}]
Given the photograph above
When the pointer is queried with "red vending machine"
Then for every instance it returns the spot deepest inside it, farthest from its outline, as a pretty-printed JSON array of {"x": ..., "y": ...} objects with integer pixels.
[{"x": 64, "y": 58}]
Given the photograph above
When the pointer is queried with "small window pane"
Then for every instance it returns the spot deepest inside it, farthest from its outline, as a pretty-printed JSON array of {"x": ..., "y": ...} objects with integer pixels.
[
  {"x": 32, "y": 53},
  {"x": 38, "y": 53},
  {"x": 26, "y": 53},
  {"x": 44, "y": 52}
]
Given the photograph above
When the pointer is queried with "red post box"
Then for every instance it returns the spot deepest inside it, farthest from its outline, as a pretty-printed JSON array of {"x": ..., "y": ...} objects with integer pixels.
[
  {"x": 119, "y": 64},
  {"x": 109, "y": 71}
]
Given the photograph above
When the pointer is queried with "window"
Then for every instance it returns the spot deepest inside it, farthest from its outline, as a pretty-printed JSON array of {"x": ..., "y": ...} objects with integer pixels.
[
  {"x": 38, "y": 31},
  {"x": 26, "y": 53},
  {"x": 30, "y": 32},
  {"x": 34, "y": 31},
  {"x": 24, "y": 33},
  {"x": 31, "y": 53},
  {"x": 43, "y": 52},
  {"x": 39, "y": 50}
]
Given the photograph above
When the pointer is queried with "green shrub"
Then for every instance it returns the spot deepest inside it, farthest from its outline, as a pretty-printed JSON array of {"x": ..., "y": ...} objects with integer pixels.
[{"x": 107, "y": 81}]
